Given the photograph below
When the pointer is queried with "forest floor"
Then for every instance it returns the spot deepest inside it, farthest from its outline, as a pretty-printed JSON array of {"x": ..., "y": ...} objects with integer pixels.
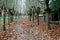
[{"x": 23, "y": 29}]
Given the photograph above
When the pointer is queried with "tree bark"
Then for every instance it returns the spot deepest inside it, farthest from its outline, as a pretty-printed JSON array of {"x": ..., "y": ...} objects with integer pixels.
[
  {"x": 4, "y": 18},
  {"x": 47, "y": 21},
  {"x": 11, "y": 18},
  {"x": 38, "y": 18},
  {"x": 33, "y": 17},
  {"x": 29, "y": 17}
]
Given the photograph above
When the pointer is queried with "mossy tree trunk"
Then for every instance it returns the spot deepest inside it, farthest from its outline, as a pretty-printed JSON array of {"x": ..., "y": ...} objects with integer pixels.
[
  {"x": 47, "y": 14},
  {"x": 47, "y": 21}
]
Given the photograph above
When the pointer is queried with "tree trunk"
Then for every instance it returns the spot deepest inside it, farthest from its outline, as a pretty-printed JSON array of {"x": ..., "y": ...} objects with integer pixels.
[
  {"x": 8, "y": 19},
  {"x": 47, "y": 14},
  {"x": 38, "y": 18},
  {"x": 47, "y": 21},
  {"x": 29, "y": 17},
  {"x": 44, "y": 17},
  {"x": 11, "y": 18},
  {"x": 4, "y": 18},
  {"x": 15, "y": 16},
  {"x": 33, "y": 17}
]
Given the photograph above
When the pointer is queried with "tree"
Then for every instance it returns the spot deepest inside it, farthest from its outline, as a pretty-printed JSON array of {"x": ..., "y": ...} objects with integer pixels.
[
  {"x": 8, "y": 15},
  {"x": 47, "y": 14},
  {"x": 38, "y": 11},
  {"x": 30, "y": 14},
  {"x": 11, "y": 13},
  {"x": 33, "y": 12},
  {"x": 4, "y": 17}
]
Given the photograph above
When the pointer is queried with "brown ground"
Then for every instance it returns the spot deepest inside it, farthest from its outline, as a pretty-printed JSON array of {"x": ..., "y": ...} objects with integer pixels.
[{"x": 23, "y": 29}]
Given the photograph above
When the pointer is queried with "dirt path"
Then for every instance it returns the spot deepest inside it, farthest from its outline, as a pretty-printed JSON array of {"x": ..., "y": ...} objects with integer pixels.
[
  {"x": 27, "y": 30},
  {"x": 24, "y": 29}
]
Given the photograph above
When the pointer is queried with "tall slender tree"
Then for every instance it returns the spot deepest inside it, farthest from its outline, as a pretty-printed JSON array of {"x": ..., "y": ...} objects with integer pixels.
[
  {"x": 47, "y": 14},
  {"x": 4, "y": 17},
  {"x": 38, "y": 11},
  {"x": 30, "y": 14},
  {"x": 12, "y": 13},
  {"x": 33, "y": 12}
]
